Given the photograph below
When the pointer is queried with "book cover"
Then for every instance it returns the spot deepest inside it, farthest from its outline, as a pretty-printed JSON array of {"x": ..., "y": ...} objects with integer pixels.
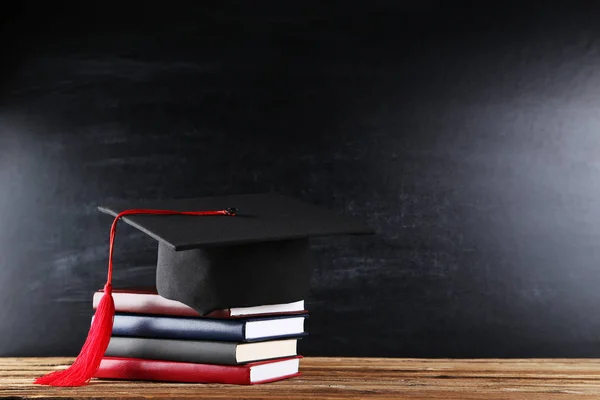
[
  {"x": 200, "y": 351},
  {"x": 231, "y": 330},
  {"x": 171, "y": 371},
  {"x": 148, "y": 301}
]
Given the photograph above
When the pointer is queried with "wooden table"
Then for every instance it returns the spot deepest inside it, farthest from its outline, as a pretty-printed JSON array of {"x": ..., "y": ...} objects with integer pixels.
[{"x": 339, "y": 378}]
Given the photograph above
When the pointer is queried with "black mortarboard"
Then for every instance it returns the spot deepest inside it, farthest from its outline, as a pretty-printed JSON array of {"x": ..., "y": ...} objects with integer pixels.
[{"x": 259, "y": 256}]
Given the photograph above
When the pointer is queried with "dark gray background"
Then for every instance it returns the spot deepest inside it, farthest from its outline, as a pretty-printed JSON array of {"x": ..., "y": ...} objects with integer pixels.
[{"x": 467, "y": 136}]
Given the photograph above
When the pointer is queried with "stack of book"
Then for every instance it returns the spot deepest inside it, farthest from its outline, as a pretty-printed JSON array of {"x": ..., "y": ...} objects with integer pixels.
[{"x": 154, "y": 338}]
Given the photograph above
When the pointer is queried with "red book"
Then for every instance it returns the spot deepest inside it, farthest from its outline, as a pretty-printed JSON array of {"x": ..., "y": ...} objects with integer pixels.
[
  {"x": 172, "y": 371},
  {"x": 148, "y": 301}
]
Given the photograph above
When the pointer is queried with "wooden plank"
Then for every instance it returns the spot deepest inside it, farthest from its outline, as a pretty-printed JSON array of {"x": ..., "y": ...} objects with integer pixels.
[{"x": 340, "y": 378}]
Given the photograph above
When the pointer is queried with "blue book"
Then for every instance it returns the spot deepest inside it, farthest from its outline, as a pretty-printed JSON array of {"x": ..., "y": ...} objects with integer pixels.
[{"x": 226, "y": 330}]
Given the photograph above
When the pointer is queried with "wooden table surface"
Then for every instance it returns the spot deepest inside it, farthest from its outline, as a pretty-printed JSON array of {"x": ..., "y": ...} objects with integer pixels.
[{"x": 339, "y": 378}]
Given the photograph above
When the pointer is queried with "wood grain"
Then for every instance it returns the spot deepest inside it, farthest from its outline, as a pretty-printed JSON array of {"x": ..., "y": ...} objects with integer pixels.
[{"x": 339, "y": 378}]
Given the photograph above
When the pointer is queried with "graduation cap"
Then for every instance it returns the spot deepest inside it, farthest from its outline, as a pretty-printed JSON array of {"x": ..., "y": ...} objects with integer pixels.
[{"x": 216, "y": 253}]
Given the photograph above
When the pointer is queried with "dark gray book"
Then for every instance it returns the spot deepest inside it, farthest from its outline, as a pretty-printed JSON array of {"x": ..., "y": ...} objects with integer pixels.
[{"x": 200, "y": 351}]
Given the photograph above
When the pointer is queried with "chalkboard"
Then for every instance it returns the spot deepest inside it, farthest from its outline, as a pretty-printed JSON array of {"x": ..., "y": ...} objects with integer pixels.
[{"x": 467, "y": 137}]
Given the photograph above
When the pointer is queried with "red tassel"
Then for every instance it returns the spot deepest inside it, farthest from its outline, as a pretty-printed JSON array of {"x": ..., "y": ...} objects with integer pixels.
[{"x": 88, "y": 361}]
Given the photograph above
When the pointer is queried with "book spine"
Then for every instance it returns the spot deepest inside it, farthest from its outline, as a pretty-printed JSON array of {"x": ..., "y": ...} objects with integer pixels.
[
  {"x": 178, "y": 328},
  {"x": 154, "y": 370},
  {"x": 193, "y": 351}
]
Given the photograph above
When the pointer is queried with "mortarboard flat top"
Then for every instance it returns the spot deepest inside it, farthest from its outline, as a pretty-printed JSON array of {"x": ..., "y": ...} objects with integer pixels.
[{"x": 261, "y": 218}]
